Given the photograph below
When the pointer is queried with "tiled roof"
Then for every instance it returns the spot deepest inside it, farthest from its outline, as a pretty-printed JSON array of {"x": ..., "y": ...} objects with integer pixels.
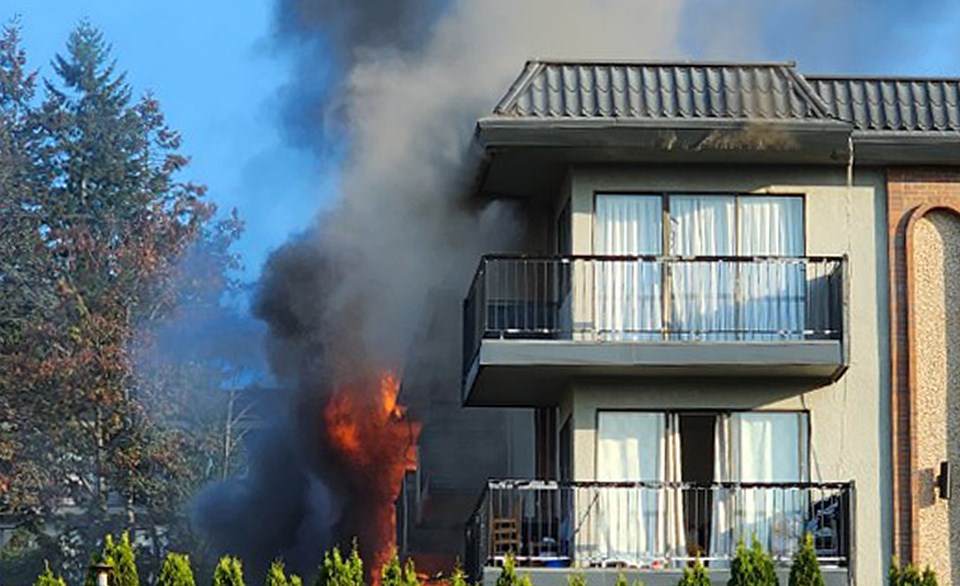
[
  {"x": 564, "y": 90},
  {"x": 550, "y": 89},
  {"x": 893, "y": 104}
]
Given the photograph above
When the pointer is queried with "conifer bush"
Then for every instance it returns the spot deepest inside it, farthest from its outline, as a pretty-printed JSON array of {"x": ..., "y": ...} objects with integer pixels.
[
  {"x": 229, "y": 572},
  {"x": 579, "y": 579},
  {"x": 805, "y": 570},
  {"x": 47, "y": 578},
  {"x": 508, "y": 574},
  {"x": 119, "y": 554},
  {"x": 752, "y": 567},
  {"x": 176, "y": 571},
  {"x": 696, "y": 575},
  {"x": 277, "y": 575},
  {"x": 393, "y": 574},
  {"x": 337, "y": 570},
  {"x": 458, "y": 577},
  {"x": 910, "y": 575}
]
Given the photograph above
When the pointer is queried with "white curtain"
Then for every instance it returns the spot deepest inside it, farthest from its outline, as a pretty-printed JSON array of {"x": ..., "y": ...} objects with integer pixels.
[
  {"x": 770, "y": 448},
  {"x": 674, "y": 537},
  {"x": 722, "y": 540},
  {"x": 627, "y": 300},
  {"x": 773, "y": 292},
  {"x": 703, "y": 298},
  {"x": 630, "y": 447}
]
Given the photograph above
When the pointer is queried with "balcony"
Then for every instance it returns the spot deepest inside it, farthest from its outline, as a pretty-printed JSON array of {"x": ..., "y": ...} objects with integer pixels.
[
  {"x": 532, "y": 322},
  {"x": 652, "y": 530}
]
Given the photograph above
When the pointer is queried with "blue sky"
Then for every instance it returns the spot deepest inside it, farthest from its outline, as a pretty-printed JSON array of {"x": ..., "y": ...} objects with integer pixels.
[{"x": 220, "y": 79}]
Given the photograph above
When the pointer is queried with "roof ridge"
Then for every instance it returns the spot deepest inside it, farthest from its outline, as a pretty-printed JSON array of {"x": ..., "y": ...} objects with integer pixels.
[
  {"x": 661, "y": 62},
  {"x": 893, "y": 78}
]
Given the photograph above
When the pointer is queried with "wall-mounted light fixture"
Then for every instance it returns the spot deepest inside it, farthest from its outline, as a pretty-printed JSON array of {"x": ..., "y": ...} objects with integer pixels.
[{"x": 943, "y": 481}]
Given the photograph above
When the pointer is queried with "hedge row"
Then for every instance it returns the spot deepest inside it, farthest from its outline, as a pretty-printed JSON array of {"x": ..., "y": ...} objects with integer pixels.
[{"x": 750, "y": 567}]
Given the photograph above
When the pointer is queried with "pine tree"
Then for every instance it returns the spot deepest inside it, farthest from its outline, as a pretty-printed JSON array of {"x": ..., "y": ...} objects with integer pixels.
[
  {"x": 176, "y": 571},
  {"x": 752, "y": 567},
  {"x": 48, "y": 579},
  {"x": 392, "y": 574},
  {"x": 577, "y": 579},
  {"x": 339, "y": 571},
  {"x": 229, "y": 572},
  {"x": 276, "y": 575},
  {"x": 458, "y": 577},
  {"x": 805, "y": 570},
  {"x": 696, "y": 576},
  {"x": 508, "y": 574},
  {"x": 120, "y": 555},
  {"x": 768, "y": 572},
  {"x": 929, "y": 578}
]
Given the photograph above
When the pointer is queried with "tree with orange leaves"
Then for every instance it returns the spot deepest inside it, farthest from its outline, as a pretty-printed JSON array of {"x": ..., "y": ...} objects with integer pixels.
[{"x": 95, "y": 224}]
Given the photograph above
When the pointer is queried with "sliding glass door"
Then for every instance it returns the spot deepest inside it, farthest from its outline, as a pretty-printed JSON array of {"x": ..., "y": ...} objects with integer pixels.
[
  {"x": 772, "y": 291},
  {"x": 703, "y": 293},
  {"x": 639, "y": 524},
  {"x": 710, "y": 294},
  {"x": 627, "y": 300},
  {"x": 761, "y": 447}
]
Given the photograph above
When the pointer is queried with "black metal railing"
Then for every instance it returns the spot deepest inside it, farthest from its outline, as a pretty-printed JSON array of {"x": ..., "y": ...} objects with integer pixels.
[
  {"x": 654, "y": 298},
  {"x": 655, "y": 524}
]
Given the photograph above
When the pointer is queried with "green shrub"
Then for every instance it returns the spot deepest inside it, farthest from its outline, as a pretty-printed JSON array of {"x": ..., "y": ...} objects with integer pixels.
[
  {"x": 46, "y": 578},
  {"x": 339, "y": 571},
  {"x": 120, "y": 555},
  {"x": 229, "y": 572},
  {"x": 458, "y": 577},
  {"x": 579, "y": 579},
  {"x": 696, "y": 576},
  {"x": 277, "y": 575},
  {"x": 508, "y": 574},
  {"x": 176, "y": 571},
  {"x": 393, "y": 574},
  {"x": 910, "y": 575},
  {"x": 752, "y": 567},
  {"x": 929, "y": 578},
  {"x": 295, "y": 580},
  {"x": 805, "y": 570}
]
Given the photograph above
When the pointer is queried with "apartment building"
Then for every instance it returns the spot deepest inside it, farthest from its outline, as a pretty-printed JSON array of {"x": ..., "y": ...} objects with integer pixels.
[{"x": 735, "y": 317}]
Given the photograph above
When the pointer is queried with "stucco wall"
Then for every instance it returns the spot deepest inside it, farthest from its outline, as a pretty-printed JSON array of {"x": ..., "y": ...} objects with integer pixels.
[
  {"x": 850, "y": 418},
  {"x": 935, "y": 264}
]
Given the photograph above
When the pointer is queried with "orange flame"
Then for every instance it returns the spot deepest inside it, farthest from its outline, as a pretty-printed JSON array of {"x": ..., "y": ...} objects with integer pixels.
[{"x": 376, "y": 441}]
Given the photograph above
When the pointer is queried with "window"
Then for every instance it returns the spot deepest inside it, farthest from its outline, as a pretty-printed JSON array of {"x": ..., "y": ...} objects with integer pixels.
[
  {"x": 639, "y": 525},
  {"x": 689, "y": 296}
]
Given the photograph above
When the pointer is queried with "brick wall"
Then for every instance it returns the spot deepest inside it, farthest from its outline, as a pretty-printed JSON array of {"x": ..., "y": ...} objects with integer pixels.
[{"x": 911, "y": 192}]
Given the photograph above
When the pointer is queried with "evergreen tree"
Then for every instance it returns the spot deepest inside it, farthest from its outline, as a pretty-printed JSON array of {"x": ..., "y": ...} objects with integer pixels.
[
  {"x": 393, "y": 574},
  {"x": 696, "y": 576},
  {"x": 229, "y": 572},
  {"x": 458, "y": 577},
  {"x": 48, "y": 579},
  {"x": 805, "y": 570},
  {"x": 910, "y": 575},
  {"x": 508, "y": 574},
  {"x": 752, "y": 567},
  {"x": 339, "y": 571},
  {"x": 276, "y": 575},
  {"x": 120, "y": 555},
  {"x": 176, "y": 571},
  {"x": 96, "y": 227},
  {"x": 929, "y": 578}
]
